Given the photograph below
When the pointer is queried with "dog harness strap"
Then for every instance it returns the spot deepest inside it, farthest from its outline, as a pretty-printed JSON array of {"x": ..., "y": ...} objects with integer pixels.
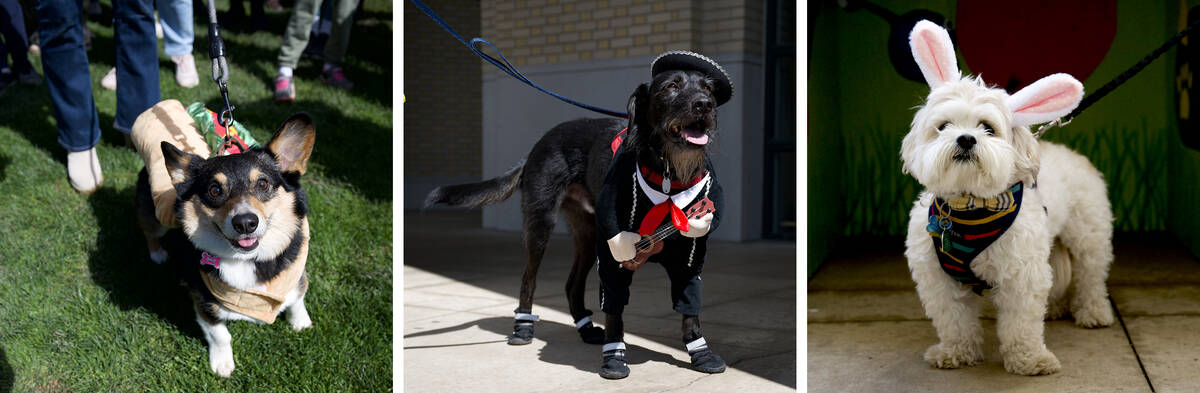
[
  {"x": 963, "y": 227},
  {"x": 616, "y": 142}
]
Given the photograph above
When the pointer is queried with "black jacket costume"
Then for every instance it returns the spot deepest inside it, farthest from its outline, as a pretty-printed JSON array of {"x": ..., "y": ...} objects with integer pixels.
[{"x": 682, "y": 257}]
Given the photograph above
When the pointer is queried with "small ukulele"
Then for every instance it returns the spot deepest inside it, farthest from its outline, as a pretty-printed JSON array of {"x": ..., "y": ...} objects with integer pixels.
[{"x": 652, "y": 244}]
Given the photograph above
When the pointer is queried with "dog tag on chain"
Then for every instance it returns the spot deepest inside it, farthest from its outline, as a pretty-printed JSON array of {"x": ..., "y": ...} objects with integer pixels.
[
  {"x": 946, "y": 245},
  {"x": 666, "y": 185}
]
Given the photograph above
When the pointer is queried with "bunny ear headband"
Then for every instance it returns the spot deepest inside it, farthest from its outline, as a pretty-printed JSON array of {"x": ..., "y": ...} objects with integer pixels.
[{"x": 1045, "y": 100}]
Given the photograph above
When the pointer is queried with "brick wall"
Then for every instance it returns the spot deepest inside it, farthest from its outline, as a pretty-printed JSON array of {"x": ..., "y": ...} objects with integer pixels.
[
  {"x": 532, "y": 32},
  {"x": 442, "y": 131}
]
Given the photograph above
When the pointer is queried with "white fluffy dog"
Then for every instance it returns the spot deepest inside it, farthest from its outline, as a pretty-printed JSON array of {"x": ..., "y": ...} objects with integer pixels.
[{"x": 970, "y": 147}]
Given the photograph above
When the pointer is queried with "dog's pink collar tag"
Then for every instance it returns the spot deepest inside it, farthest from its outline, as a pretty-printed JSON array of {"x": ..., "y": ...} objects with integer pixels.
[{"x": 209, "y": 259}]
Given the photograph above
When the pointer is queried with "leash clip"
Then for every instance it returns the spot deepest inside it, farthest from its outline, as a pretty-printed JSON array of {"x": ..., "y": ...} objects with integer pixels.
[{"x": 1056, "y": 123}]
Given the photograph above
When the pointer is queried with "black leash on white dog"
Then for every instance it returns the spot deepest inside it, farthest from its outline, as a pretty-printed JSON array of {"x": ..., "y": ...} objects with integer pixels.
[
  {"x": 501, "y": 63},
  {"x": 1118, "y": 80},
  {"x": 220, "y": 73}
]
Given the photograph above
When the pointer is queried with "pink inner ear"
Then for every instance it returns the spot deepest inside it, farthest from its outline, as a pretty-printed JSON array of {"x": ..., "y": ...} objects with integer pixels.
[
  {"x": 933, "y": 51},
  {"x": 1055, "y": 97}
]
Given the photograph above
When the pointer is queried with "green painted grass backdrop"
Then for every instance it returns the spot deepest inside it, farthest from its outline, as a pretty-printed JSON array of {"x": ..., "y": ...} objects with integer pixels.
[{"x": 82, "y": 307}]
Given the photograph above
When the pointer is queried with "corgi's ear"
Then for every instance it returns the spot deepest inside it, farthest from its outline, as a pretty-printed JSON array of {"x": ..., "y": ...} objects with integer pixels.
[
  {"x": 1047, "y": 99},
  {"x": 934, "y": 53},
  {"x": 177, "y": 163},
  {"x": 292, "y": 144}
]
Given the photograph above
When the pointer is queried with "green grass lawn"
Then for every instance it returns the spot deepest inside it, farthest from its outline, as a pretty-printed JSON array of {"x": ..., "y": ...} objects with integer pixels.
[{"x": 82, "y": 307}]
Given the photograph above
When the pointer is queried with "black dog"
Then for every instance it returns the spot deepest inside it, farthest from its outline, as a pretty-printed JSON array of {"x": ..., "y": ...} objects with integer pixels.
[{"x": 575, "y": 169}]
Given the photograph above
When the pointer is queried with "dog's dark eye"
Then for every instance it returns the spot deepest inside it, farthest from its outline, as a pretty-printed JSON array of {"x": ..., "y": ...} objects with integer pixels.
[
  {"x": 942, "y": 127},
  {"x": 672, "y": 85},
  {"x": 262, "y": 185},
  {"x": 988, "y": 128},
  {"x": 214, "y": 191}
]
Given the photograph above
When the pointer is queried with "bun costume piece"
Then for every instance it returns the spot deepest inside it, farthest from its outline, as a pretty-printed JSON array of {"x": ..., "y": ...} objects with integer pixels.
[{"x": 194, "y": 130}]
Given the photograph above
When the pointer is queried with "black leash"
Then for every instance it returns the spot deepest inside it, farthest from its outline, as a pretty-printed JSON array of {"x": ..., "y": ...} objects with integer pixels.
[
  {"x": 1120, "y": 79},
  {"x": 220, "y": 75},
  {"x": 502, "y": 63}
]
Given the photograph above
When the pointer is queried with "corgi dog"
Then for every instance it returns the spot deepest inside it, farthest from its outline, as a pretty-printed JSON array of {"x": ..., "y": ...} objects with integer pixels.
[{"x": 243, "y": 234}]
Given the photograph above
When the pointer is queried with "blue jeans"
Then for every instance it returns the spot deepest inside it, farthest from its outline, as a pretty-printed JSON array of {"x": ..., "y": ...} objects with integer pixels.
[
  {"x": 12, "y": 26},
  {"x": 137, "y": 60},
  {"x": 65, "y": 64},
  {"x": 176, "y": 18}
]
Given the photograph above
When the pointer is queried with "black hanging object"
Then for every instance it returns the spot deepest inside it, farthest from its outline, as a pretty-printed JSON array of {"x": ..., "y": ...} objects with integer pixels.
[
  {"x": 899, "y": 52},
  {"x": 1187, "y": 104}
]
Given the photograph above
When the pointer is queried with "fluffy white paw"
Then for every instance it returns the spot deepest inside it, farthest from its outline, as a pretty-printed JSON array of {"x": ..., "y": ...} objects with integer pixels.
[
  {"x": 299, "y": 322},
  {"x": 221, "y": 361},
  {"x": 1094, "y": 316},
  {"x": 158, "y": 256},
  {"x": 942, "y": 355},
  {"x": 1036, "y": 363}
]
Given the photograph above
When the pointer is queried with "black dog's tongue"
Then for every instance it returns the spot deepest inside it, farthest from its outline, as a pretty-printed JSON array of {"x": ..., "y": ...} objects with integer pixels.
[{"x": 697, "y": 137}]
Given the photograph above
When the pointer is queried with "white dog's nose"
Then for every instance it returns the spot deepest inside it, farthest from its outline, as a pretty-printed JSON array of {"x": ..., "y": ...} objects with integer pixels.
[{"x": 966, "y": 141}]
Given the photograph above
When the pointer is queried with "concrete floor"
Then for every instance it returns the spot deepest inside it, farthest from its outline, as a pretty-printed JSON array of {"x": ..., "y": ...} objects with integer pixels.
[
  {"x": 867, "y": 331},
  {"x": 460, "y": 287}
]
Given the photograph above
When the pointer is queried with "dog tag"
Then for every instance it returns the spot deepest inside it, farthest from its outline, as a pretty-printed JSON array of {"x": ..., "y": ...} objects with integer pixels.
[
  {"x": 946, "y": 245},
  {"x": 666, "y": 185}
]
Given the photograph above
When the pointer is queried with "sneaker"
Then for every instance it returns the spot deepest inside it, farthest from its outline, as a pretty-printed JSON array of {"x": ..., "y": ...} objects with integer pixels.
[
  {"x": 34, "y": 48},
  {"x": 29, "y": 77},
  {"x": 83, "y": 171},
  {"x": 185, "y": 71},
  {"x": 333, "y": 76},
  {"x": 110, "y": 79},
  {"x": 285, "y": 89}
]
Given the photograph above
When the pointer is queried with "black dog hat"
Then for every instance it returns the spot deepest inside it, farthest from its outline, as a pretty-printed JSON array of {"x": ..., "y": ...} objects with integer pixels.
[{"x": 689, "y": 61}]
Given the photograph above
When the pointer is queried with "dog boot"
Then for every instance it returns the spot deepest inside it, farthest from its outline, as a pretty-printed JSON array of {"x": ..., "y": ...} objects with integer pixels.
[
  {"x": 703, "y": 359},
  {"x": 590, "y": 334},
  {"x": 613, "y": 365},
  {"x": 522, "y": 328}
]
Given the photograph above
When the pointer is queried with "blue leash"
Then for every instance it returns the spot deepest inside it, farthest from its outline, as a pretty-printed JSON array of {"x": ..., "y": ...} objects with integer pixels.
[{"x": 507, "y": 67}]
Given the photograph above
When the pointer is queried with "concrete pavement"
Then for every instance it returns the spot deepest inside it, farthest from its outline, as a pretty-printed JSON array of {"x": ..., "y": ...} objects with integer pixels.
[
  {"x": 460, "y": 283},
  {"x": 867, "y": 331}
]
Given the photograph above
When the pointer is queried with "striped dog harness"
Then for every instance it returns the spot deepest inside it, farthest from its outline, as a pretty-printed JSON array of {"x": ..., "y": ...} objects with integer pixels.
[{"x": 961, "y": 228}]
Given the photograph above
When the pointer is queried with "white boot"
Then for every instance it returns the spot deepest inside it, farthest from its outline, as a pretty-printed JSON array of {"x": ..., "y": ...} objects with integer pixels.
[
  {"x": 110, "y": 79},
  {"x": 83, "y": 170}
]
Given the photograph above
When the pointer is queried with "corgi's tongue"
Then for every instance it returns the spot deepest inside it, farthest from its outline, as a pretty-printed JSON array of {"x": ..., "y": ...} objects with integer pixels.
[
  {"x": 247, "y": 242},
  {"x": 695, "y": 137}
]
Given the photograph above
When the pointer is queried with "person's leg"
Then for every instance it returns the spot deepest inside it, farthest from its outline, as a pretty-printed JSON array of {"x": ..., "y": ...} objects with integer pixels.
[
  {"x": 69, "y": 82},
  {"x": 12, "y": 26},
  {"x": 296, "y": 35},
  {"x": 176, "y": 17},
  {"x": 178, "y": 33},
  {"x": 137, "y": 60},
  {"x": 295, "y": 38},
  {"x": 339, "y": 38}
]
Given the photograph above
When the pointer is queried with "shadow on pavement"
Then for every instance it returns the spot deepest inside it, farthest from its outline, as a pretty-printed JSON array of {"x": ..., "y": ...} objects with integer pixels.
[{"x": 582, "y": 356}]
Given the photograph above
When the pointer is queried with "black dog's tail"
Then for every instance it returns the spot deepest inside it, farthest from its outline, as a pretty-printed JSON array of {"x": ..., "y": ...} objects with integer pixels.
[{"x": 478, "y": 194}]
